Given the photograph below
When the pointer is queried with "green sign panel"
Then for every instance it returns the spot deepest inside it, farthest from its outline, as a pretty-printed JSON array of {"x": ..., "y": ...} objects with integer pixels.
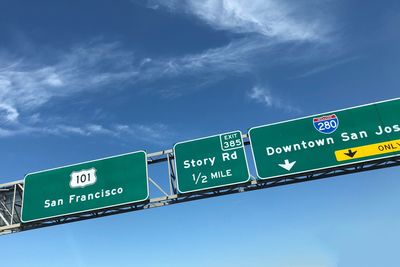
[
  {"x": 211, "y": 162},
  {"x": 326, "y": 140},
  {"x": 85, "y": 186}
]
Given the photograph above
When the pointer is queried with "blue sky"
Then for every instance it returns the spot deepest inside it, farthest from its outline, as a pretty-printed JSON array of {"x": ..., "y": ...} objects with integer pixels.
[{"x": 81, "y": 80}]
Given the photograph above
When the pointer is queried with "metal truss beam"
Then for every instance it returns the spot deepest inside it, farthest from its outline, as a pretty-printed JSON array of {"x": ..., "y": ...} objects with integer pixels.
[
  {"x": 10, "y": 206},
  {"x": 11, "y": 193}
]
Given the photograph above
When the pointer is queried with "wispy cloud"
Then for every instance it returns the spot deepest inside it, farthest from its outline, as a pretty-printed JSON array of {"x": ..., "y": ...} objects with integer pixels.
[
  {"x": 279, "y": 19},
  {"x": 8, "y": 114},
  {"x": 156, "y": 133},
  {"x": 28, "y": 85},
  {"x": 263, "y": 95},
  {"x": 232, "y": 57},
  {"x": 270, "y": 33},
  {"x": 266, "y": 29},
  {"x": 324, "y": 66}
]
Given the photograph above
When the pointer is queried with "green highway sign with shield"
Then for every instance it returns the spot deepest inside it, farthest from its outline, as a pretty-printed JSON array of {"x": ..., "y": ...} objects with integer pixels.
[
  {"x": 327, "y": 140},
  {"x": 211, "y": 162},
  {"x": 85, "y": 187}
]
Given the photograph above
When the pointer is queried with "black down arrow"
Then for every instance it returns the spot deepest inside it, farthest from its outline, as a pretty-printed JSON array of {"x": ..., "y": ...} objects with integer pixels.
[{"x": 350, "y": 153}]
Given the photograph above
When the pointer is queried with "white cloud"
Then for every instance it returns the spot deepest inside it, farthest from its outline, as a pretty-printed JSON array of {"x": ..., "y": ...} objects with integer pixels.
[
  {"x": 8, "y": 114},
  {"x": 271, "y": 33},
  {"x": 278, "y": 19},
  {"x": 192, "y": 72},
  {"x": 99, "y": 129},
  {"x": 156, "y": 133},
  {"x": 60, "y": 129},
  {"x": 234, "y": 57},
  {"x": 28, "y": 85},
  {"x": 324, "y": 66},
  {"x": 262, "y": 95}
]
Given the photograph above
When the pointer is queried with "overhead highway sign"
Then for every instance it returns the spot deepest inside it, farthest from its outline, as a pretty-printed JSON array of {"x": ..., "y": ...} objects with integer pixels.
[
  {"x": 327, "y": 140},
  {"x": 211, "y": 162},
  {"x": 85, "y": 187}
]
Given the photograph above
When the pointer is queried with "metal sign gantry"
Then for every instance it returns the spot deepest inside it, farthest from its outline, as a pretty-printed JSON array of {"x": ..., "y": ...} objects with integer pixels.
[{"x": 11, "y": 193}]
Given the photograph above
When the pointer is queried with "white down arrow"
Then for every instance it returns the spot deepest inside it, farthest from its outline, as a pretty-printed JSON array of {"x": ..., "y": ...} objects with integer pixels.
[{"x": 287, "y": 165}]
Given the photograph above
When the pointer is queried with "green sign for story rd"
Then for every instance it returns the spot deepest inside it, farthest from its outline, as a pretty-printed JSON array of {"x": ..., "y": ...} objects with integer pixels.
[
  {"x": 327, "y": 140},
  {"x": 211, "y": 162},
  {"x": 85, "y": 186}
]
